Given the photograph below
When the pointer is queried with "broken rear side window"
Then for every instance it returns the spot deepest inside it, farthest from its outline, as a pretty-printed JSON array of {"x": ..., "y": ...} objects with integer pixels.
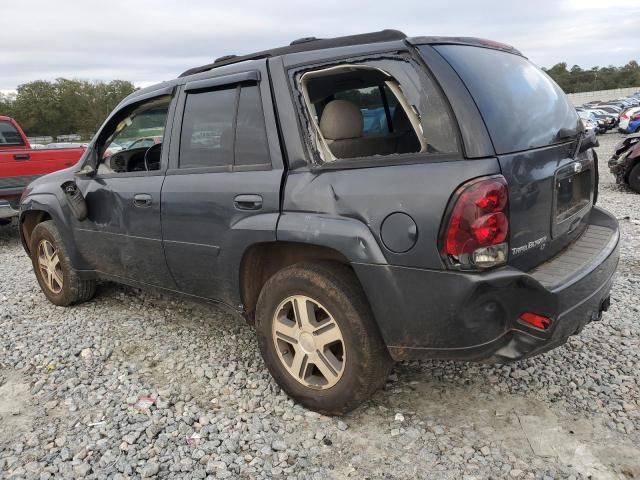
[{"x": 374, "y": 108}]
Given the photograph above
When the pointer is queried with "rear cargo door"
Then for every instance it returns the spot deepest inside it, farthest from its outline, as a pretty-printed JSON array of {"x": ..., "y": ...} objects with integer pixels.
[{"x": 535, "y": 132}]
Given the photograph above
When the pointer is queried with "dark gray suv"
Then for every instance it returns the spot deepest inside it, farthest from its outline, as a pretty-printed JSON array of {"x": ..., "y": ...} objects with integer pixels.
[{"x": 359, "y": 200}]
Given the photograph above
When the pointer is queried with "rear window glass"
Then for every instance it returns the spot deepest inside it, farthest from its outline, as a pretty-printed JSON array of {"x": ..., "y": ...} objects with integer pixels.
[
  {"x": 9, "y": 135},
  {"x": 521, "y": 105}
]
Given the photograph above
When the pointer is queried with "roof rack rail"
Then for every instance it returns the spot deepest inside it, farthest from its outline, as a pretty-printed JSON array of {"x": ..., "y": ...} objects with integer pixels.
[
  {"x": 304, "y": 45},
  {"x": 303, "y": 40},
  {"x": 224, "y": 58}
]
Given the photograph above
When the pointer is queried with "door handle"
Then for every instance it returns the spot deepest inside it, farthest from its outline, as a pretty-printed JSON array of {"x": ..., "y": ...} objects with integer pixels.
[
  {"x": 142, "y": 200},
  {"x": 248, "y": 202},
  {"x": 22, "y": 156}
]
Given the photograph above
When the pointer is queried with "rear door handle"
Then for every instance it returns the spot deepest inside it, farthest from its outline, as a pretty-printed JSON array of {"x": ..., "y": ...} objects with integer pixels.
[
  {"x": 142, "y": 200},
  {"x": 22, "y": 156},
  {"x": 248, "y": 202}
]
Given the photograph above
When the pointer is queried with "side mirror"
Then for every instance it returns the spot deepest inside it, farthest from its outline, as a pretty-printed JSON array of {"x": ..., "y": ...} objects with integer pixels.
[
  {"x": 87, "y": 172},
  {"x": 588, "y": 141}
]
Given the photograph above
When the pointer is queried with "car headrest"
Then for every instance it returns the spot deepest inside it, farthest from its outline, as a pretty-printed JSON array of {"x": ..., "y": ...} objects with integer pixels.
[{"x": 340, "y": 120}]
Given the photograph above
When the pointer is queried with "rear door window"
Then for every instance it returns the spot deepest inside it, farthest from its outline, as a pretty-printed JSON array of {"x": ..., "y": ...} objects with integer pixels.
[
  {"x": 251, "y": 146},
  {"x": 9, "y": 135},
  {"x": 207, "y": 129},
  {"x": 521, "y": 105},
  {"x": 224, "y": 128}
]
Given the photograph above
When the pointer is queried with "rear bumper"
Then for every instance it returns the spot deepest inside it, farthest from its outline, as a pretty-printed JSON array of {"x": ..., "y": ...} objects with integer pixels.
[{"x": 475, "y": 317}]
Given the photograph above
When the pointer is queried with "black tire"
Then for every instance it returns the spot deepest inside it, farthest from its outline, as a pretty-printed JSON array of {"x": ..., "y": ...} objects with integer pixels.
[
  {"x": 74, "y": 289},
  {"x": 634, "y": 178},
  {"x": 367, "y": 361}
]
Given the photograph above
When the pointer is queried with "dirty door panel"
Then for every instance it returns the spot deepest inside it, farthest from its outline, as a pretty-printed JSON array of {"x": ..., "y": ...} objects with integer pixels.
[
  {"x": 222, "y": 190},
  {"x": 120, "y": 236}
]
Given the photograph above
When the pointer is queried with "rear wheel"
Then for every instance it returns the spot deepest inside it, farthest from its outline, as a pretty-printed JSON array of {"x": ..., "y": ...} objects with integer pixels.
[
  {"x": 318, "y": 337},
  {"x": 634, "y": 178},
  {"x": 58, "y": 280}
]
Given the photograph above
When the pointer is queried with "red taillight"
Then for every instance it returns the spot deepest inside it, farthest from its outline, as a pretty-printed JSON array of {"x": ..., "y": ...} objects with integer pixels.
[
  {"x": 490, "y": 229},
  {"x": 477, "y": 222},
  {"x": 637, "y": 117},
  {"x": 538, "y": 321}
]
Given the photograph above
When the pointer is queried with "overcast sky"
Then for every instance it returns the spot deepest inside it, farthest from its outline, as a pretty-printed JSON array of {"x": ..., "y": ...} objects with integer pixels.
[{"x": 147, "y": 41}]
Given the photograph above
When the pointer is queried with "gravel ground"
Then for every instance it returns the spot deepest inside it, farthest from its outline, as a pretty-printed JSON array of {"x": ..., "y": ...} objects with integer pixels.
[{"x": 135, "y": 385}]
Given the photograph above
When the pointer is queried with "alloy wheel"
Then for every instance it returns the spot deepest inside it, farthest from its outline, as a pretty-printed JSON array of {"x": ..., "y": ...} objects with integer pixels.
[
  {"x": 50, "y": 266},
  {"x": 309, "y": 342}
]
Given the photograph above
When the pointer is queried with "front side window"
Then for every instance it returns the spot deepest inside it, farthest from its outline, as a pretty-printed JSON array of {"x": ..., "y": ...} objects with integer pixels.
[
  {"x": 134, "y": 144},
  {"x": 375, "y": 108},
  {"x": 9, "y": 135}
]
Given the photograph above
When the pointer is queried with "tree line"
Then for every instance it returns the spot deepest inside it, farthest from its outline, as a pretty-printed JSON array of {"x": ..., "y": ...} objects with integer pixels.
[
  {"x": 576, "y": 80},
  {"x": 63, "y": 106}
]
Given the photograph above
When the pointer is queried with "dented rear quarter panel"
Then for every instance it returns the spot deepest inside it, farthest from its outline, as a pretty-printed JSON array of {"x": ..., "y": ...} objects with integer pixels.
[{"x": 369, "y": 195}]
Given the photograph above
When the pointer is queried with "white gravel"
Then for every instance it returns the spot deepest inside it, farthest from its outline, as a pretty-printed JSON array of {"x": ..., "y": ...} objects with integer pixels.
[{"x": 137, "y": 385}]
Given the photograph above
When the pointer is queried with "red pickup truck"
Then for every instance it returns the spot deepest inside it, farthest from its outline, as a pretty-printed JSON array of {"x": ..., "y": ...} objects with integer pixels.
[{"x": 20, "y": 165}]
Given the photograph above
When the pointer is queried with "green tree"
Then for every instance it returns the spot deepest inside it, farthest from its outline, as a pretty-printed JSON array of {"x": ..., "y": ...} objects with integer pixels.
[
  {"x": 597, "y": 78},
  {"x": 65, "y": 106},
  {"x": 6, "y": 105}
]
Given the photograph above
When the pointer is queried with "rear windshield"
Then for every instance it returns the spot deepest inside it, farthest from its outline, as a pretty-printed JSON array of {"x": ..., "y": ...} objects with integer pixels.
[{"x": 521, "y": 105}]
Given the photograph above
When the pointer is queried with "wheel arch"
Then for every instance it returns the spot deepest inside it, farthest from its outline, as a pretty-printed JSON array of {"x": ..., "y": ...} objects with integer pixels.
[
  {"x": 28, "y": 221},
  {"x": 304, "y": 236},
  {"x": 262, "y": 260},
  {"x": 40, "y": 208}
]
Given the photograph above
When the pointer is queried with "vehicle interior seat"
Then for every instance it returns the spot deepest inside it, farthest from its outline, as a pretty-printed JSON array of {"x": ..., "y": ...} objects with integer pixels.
[{"x": 341, "y": 125}]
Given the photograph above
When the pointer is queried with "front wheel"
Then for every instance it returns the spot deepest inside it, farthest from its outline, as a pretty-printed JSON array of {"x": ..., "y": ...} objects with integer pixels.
[
  {"x": 58, "y": 280},
  {"x": 634, "y": 178},
  {"x": 318, "y": 337}
]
